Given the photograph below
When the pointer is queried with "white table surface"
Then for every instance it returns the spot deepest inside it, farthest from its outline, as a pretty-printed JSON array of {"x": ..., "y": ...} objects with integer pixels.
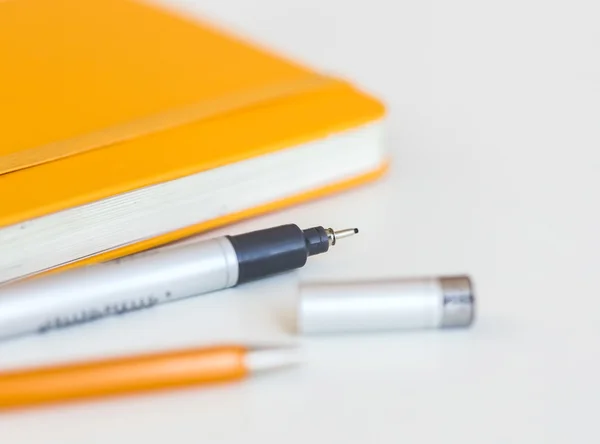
[{"x": 495, "y": 111}]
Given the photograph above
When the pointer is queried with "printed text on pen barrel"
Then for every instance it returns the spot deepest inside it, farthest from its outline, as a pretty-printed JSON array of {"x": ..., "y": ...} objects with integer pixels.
[{"x": 94, "y": 314}]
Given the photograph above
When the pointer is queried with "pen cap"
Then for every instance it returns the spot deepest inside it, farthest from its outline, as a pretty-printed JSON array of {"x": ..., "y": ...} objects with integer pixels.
[{"x": 388, "y": 304}]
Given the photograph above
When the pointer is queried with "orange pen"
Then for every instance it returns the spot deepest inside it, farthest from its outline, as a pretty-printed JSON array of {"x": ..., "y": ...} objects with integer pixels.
[{"x": 128, "y": 375}]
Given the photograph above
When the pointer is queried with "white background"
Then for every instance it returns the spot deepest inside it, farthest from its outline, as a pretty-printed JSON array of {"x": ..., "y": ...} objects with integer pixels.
[{"x": 495, "y": 129}]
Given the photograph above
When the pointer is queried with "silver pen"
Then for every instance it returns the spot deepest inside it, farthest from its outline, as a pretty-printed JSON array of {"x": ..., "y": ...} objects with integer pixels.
[{"x": 141, "y": 281}]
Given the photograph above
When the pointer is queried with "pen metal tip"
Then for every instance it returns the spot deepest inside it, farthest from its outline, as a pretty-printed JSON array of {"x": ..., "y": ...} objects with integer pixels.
[
  {"x": 334, "y": 235},
  {"x": 347, "y": 232}
]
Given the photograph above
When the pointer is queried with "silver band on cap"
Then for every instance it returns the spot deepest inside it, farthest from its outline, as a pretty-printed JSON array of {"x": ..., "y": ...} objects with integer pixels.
[{"x": 459, "y": 302}]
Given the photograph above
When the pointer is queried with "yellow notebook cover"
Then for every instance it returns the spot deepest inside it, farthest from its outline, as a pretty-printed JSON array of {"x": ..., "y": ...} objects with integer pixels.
[{"x": 101, "y": 98}]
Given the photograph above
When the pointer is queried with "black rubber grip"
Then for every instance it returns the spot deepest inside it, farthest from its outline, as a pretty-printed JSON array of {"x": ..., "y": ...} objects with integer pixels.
[
  {"x": 316, "y": 239},
  {"x": 275, "y": 250}
]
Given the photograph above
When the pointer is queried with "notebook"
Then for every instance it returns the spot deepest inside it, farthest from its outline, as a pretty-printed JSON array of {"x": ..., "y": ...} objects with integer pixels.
[{"x": 126, "y": 125}]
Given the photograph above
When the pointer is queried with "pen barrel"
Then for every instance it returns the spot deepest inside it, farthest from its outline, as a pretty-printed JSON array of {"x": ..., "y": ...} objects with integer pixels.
[
  {"x": 122, "y": 376},
  {"x": 118, "y": 287}
]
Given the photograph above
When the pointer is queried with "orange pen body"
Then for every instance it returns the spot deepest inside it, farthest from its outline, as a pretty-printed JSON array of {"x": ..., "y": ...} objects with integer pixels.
[{"x": 122, "y": 376}]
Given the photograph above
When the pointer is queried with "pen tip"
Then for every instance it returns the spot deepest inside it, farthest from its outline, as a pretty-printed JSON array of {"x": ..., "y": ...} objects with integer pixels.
[
  {"x": 257, "y": 361},
  {"x": 334, "y": 235},
  {"x": 340, "y": 234}
]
